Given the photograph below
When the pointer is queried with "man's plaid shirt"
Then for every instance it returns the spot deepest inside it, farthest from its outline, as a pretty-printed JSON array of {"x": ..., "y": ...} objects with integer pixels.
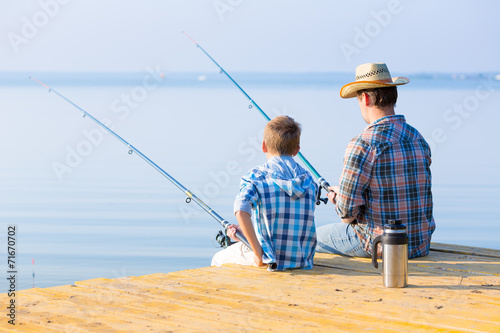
[
  {"x": 283, "y": 196},
  {"x": 387, "y": 176}
]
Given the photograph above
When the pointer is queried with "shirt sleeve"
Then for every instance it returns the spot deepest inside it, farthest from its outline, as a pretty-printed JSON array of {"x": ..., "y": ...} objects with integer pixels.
[
  {"x": 355, "y": 178},
  {"x": 248, "y": 197}
]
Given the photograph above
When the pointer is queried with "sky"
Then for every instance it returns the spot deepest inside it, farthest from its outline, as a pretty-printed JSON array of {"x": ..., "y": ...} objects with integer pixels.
[{"x": 249, "y": 36}]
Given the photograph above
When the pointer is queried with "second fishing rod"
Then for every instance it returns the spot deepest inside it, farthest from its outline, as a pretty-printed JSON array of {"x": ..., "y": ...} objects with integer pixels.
[{"x": 321, "y": 181}]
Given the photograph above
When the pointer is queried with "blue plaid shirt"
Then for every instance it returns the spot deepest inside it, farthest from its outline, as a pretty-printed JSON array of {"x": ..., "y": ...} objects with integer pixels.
[
  {"x": 386, "y": 176},
  {"x": 282, "y": 194}
]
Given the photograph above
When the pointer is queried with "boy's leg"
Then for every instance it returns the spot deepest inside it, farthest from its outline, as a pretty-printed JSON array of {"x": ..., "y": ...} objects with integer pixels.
[
  {"x": 339, "y": 238},
  {"x": 237, "y": 253}
]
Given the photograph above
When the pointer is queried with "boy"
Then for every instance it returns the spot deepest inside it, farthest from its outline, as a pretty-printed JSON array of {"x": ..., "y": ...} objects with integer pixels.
[{"x": 282, "y": 194}]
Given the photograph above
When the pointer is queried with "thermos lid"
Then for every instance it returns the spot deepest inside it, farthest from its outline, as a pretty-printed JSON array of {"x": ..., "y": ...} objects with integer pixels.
[{"x": 395, "y": 225}]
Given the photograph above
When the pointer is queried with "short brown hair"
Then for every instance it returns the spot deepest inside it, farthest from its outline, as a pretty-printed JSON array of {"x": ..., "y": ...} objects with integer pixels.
[
  {"x": 382, "y": 96},
  {"x": 282, "y": 135}
]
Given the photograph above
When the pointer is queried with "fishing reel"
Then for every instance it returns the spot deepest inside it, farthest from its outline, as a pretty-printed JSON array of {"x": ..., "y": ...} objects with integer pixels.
[
  {"x": 223, "y": 239},
  {"x": 319, "y": 199},
  {"x": 322, "y": 184}
]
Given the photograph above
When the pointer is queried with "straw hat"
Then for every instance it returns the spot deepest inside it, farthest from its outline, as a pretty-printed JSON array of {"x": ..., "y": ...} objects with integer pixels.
[{"x": 371, "y": 76}]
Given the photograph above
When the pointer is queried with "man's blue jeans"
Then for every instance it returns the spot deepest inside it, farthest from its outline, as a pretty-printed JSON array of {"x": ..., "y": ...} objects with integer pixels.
[{"x": 339, "y": 238}]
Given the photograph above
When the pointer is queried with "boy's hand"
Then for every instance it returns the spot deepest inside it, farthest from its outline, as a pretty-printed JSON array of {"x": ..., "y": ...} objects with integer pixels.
[
  {"x": 258, "y": 261},
  {"x": 231, "y": 232},
  {"x": 332, "y": 196},
  {"x": 245, "y": 222}
]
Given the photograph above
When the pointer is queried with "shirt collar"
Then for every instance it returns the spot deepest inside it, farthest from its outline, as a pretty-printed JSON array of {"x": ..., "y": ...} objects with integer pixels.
[
  {"x": 277, "y": 160},
  {"x": 396, "y": 118}
]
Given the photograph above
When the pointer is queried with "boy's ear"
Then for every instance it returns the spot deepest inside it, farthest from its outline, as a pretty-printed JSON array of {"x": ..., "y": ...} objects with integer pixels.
[
  {"x": 296, "y": 150},
  {"x": 264, "y": 147}
]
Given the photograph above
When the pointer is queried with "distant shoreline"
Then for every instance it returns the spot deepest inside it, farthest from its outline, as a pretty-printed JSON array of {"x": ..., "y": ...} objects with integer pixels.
[{"x": 210, "y": 78}]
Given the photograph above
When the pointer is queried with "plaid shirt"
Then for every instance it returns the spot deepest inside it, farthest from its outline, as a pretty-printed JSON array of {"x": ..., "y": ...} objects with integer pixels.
[
  {"x": 386, "y": 176},
  {"x": 282, "y": 194}
]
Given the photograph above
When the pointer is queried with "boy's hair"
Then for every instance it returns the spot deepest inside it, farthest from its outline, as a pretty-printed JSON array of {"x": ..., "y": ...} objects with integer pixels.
[
  {"x": 382, "y": 96},
  {"x": 282, "y": 135}
]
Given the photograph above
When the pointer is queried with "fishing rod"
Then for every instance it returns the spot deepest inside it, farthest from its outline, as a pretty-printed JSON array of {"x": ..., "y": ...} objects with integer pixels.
[
  {"x": 321, "y": 181},
  {"x": 190, "y": 195}
]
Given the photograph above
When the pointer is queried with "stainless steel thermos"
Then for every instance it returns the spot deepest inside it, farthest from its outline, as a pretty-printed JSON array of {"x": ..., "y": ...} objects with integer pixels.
[{"x": 394, "y": 254}]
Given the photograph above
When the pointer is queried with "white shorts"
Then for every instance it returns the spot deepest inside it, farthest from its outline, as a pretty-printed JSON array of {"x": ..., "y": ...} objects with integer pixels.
[{"x": 237, "y": 253}]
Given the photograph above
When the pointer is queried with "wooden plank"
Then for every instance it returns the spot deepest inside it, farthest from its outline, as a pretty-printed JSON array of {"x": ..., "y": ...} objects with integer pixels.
[
  {"x": 206, "y": 302},
  {"x": 447, "y": 292},
  {"x": 436, "y": 262},
  {"x": 467, "y": 250}
]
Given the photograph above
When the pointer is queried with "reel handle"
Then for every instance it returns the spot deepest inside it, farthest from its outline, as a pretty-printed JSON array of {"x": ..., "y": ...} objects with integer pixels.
[{"x": 323, "y": 185}]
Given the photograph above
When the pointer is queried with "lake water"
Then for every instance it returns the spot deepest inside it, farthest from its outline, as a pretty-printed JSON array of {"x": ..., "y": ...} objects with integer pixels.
[{"x": 84, "y": 208}]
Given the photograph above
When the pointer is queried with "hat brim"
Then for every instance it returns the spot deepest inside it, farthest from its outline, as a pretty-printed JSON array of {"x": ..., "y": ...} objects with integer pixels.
[{"x": 350, "y": 90}]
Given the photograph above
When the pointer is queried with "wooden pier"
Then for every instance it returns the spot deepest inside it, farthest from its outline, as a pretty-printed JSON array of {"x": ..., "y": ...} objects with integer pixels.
[{"x": 453, "y": 289}]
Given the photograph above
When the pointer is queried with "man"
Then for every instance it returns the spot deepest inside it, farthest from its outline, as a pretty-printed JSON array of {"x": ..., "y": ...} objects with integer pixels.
[{"x": 386, "y": 173}]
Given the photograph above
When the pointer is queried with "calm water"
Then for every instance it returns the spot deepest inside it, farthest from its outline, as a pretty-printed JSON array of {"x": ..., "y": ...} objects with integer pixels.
[{"x": 84, "y": 208}]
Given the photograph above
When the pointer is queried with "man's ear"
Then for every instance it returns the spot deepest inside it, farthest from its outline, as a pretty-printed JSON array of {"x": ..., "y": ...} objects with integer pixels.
[
  {"x": 264, "y": 147},
  {"x": 365, "y": 99},
  {"x": 296, "y": 150},
  {"x": 361, "y": 98}
]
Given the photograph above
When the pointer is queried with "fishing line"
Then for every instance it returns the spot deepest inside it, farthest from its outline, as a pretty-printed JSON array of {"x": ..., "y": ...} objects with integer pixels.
[
  {"x": 132, "y": 149},
  {"x": 321, "y": 181}
]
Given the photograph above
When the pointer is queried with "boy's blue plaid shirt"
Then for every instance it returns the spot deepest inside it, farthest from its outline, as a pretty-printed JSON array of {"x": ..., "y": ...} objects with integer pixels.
[
  {"x": 387, "y": 176},
  {"x": 283, "y": 196}
]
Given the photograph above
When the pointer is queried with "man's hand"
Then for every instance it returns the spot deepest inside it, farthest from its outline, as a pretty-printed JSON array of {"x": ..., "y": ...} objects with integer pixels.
[
  {"x": 335, "y": 190},
  {"x": 332, "y": 195}
]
